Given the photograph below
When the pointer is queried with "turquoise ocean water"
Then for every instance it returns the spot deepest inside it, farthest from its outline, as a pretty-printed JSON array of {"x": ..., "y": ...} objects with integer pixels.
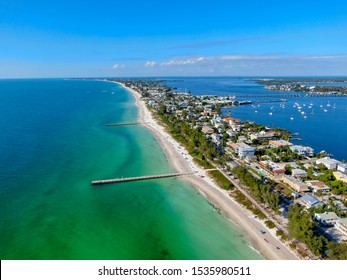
[{"x": 54, "y": 142}]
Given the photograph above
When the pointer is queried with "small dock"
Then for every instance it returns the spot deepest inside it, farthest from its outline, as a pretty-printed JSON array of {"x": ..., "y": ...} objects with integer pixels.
[
  {"x": 129, "y": 179},
  {"x": 122, "y": 124}
]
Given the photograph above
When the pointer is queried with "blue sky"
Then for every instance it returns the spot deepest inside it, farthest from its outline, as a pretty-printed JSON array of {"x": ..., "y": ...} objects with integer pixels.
[{"x": 172, "y": 38}]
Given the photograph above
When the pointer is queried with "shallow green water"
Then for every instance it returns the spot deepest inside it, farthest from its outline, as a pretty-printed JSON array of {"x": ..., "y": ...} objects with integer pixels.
[{"x": 54, "y": 143}]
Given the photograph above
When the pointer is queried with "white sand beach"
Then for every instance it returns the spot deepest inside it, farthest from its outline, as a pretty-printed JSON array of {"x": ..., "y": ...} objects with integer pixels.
[{"x": 267, "y": 244}]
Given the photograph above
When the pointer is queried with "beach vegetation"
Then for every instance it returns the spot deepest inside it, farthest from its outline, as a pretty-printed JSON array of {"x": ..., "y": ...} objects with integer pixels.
[
  {"x": 220, "y": 179},
  {"x": 270, "y": 224},
  {"x": 261, "y": 192},
  {"x": 282, "y": 235},
  {"x": 303, "y": 228},
  {"x": 244, "y": 201}
]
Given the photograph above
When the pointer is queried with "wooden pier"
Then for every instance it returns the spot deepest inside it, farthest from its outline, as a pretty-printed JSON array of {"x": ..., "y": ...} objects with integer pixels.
[
  {"x": 128, "y": 179},
  {"x": 122, "y": 124}
]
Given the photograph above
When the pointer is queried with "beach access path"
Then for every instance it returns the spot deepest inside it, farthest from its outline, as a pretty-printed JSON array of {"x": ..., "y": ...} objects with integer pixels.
[{"x": 267, "y": 244}]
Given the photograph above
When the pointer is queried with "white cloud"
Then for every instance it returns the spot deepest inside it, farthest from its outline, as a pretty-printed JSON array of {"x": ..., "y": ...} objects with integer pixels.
[
  {"x": 150, "y": 63},
  {"x": 247, "y": 57},
  {"x": 183, "y": 61},
  {"x": 323, "y": 57},
  {"x": 118, "y": 66}
]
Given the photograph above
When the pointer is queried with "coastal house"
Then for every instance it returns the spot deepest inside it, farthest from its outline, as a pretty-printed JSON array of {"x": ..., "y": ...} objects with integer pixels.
[
  {"x": 216, "y": 138},
  {"x": 242, "y": 149},
  {"x": 327, "y": 218},
  {"x": 231, "y": 133},
  {"x": 262, "y": 135},
  {"x": 275, "y": 169},
  {"x": 231, "y": 120},
  {"x": 245, "y": 150},
  {"x": 328, "y": 162},
  {"x": 207, "y": 130},
  {"x": 310, "y": 201},
  {"x": 342, "y": 167},
  {"x": 341, "y": 226},
  {"x": 315, "y": 186},
  {"x": 236, "y": 127},
  {"x": 295, "y": 184},
  {"x": 302, "y": 150},
  {"x": 299, "y": 173},
  {"x": 279, "y": 143},
  {"x": 241, "y": 139},
  {"x": 340, "y": 176},
  {"x": 340, "y": 205}
]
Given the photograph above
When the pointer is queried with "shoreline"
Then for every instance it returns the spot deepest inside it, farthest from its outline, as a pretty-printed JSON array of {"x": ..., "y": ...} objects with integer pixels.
[{"x": 181, "y": 161}]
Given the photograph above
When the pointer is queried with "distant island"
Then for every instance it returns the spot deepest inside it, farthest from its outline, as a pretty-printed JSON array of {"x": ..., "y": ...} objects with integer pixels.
[{"x": 308, "y": 85}]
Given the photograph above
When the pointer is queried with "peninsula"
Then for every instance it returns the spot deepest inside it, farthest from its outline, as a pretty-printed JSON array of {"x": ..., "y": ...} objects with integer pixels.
[{"x": 287, "y": 200}]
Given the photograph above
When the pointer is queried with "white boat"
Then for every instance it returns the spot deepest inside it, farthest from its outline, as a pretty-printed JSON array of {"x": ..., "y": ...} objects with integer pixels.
[
  {"x": 291, "y": 118},
  {"x": 270, "y": 113}
]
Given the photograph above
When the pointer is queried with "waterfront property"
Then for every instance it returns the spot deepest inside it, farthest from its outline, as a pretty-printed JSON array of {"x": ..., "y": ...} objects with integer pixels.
[
  {"x": 262, "y": 135},
  {"x": 301, "y": 150},
  {"x": 279, "y": 143},
  {"x": 328, "y": 162}
]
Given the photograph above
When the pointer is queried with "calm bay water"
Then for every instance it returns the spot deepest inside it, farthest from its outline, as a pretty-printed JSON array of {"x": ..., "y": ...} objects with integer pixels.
[
  {"x": 54, "y": 142},
  {"x": 322, "y": 130}
]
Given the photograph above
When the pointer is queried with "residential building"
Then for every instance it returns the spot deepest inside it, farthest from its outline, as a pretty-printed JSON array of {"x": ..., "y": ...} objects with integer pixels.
[
  {"x": 245, "y": 150},
  {"x": 327, "y": 218},
  {"x": 262, "y": 135},
  {"x": 315, "y": 186},
  {"x": 279, "y": 143},
  {"x": 342, "y": 167},
  {"x": 295, "y": 184},
  {"x": 310, "y": 201},
  {"x": 242, "y": 149},
  {"x": 302, "y": 150},
  {"x": 208, "y": 130},
  {"x": 328, "y": 162},
  {"x": 340, "y": 176},
  {"x": 231, "y": 133},
  {"x": 340, "y": 205},
  {"x": 275, "y": 169},
  {"x": 231, "y": 120},
  {"x": 299, "y": 173},
  {"x": 341, "y": 226}
]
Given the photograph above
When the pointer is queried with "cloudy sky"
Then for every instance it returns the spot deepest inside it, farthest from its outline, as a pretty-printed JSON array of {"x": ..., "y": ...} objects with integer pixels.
[{"x": 172, "y": 38}]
